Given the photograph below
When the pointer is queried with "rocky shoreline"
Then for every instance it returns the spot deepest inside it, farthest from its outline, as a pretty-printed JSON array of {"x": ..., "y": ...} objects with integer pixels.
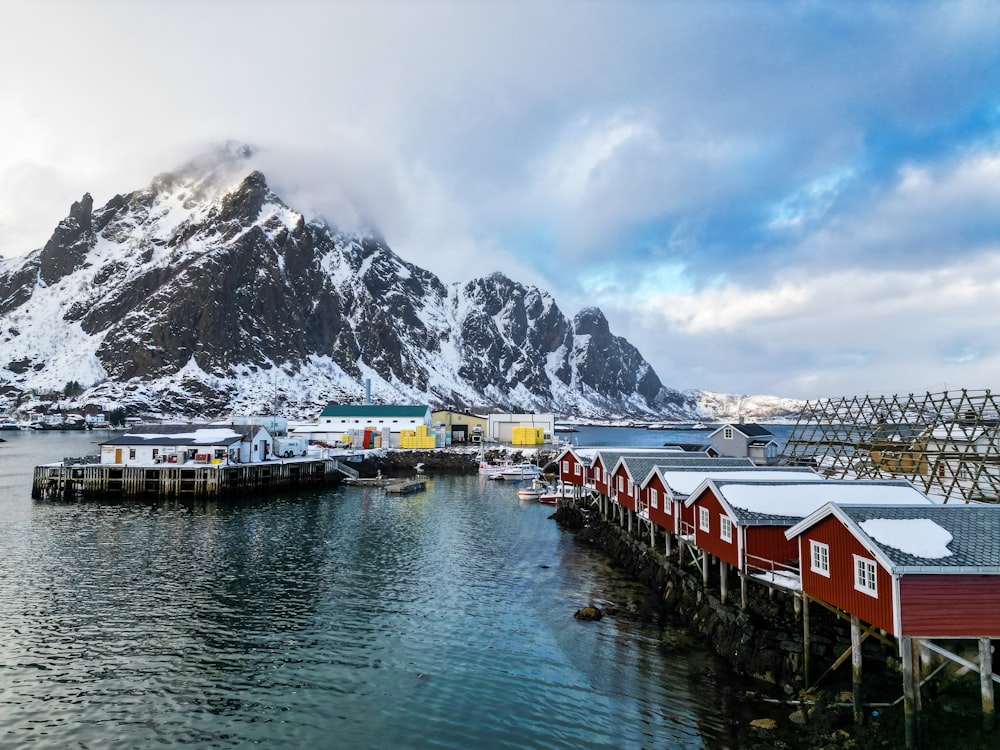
[{"x": 764, "y": 643}]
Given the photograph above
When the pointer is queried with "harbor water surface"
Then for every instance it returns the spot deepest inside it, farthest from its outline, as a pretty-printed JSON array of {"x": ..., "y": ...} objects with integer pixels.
[{"x": 336, "y": 618}]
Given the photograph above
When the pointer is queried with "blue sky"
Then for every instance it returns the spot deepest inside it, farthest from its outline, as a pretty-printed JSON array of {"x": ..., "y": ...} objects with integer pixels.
[{"x": 798, "y": 198}]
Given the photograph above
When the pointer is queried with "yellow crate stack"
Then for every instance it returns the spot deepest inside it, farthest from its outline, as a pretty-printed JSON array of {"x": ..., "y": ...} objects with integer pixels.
[
  {"x": 419, "y": 439},
  {"x": 527, "y": 435}
]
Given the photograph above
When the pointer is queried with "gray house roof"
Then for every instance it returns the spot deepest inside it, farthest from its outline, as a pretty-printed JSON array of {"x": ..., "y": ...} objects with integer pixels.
[
  {"x": 974, "y": 531},
  {"x": 640, "y": 468},
  {"x": 749, "y": 429}
]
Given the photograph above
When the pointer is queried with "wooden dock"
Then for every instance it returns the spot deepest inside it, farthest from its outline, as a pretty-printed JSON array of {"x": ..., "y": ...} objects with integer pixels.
[
  {"x": 406, "y": 486},
  {"x": 185, "y": 482}
]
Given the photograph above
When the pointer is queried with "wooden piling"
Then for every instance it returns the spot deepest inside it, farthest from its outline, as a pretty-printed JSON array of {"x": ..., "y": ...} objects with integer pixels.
[
  {"x": 723, "y": 582},
  {"x": 806, "y": 641},
  {"x": 856, "y": 668},
  {"x": 911, "y": 691},
  {"x": 986, "y": 683}
]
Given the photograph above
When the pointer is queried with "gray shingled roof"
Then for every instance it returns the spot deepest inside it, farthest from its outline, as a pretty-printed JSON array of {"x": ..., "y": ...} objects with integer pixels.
[
  {"x": 975, "y": 531},
  {"x": 753, "y": 430},
  {"x": 610, "y": 457},
  {"x": 640, "y": 467}
]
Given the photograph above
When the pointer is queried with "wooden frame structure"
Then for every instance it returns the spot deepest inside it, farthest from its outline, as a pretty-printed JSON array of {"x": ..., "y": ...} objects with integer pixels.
[{"x": 947, "y": 443}]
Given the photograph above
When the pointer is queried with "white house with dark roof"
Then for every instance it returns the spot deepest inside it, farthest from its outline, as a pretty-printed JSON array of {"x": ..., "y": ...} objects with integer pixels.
[
  {"x": 186, "y": 443},
  {"x": 746, "y": 440}
]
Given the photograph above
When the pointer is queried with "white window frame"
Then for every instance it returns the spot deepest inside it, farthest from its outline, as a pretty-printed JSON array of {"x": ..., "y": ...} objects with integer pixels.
[
  {"x": 819, "y": 558},
  {"x": 704, "y": 519},
  {"x": 621, "y": 483},
  {"x": 654, "y": 500},
  {"x": 727, "y": 433},
  {"x": 866, "y": 575},
  {"x": 577, "y": 469},
  {"x": 565, "y": 466},
  {"x": 726, "y": 528}
]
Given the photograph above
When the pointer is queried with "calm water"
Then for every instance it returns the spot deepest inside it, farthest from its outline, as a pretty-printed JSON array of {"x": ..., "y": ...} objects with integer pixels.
[{"x": 341, "y": 618}]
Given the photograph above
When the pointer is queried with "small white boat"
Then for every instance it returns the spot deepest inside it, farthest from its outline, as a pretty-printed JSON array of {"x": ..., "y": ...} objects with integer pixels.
[
  {"x": 533, "y": 491},
  {"x": 9, "y": 424},
  {"x": 554, "y": 494},
  {"x": 521, "y": 471},
  {"x": 492, "y": 471}
]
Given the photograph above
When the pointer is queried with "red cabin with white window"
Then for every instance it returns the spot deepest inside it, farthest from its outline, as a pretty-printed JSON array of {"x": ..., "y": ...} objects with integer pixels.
[
  {"x": 913, "y": 571},
  {"x": 573, "y": 468},
  {"x": 656, "y": 497}
]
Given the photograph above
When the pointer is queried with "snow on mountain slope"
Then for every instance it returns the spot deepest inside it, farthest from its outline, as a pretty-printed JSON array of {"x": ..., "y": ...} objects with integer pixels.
[{"x": 205, "y": 293}]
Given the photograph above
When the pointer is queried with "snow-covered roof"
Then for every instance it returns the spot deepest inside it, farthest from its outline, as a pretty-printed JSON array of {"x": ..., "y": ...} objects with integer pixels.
[
  {"x": 202, "y": 436},
  {"x": 785, "y": 502},
  {"x": 934, "y": 538},
  {"x": 682, "y": 481}
]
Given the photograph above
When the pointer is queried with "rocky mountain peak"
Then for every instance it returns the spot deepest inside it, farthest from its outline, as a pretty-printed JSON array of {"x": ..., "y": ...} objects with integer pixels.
[{"x": 205, "y": 293}]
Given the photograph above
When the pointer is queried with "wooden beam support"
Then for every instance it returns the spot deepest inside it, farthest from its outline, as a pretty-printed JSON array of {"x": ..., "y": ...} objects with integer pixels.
[
  {"x": 743, "y": 590},
  {"x": 911, "y": 691},
  {"x": 986, "y": 683},
  {"x": 704, "y": 568},
  {"x": 806, "y": 640},
  {"x": 856, "y": 668},
  {"x": 723, "y": 582}
]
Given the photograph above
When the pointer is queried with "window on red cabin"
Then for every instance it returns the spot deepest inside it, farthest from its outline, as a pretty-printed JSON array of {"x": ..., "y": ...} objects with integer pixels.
[
  {"x": 704, "y": 522},
  {"x": 565, "y": 467},
  {"x": 819, "y": 555},
  {"x": 864, "y": 576},
  {"x": 576, "y": 469},
  {"x": 726, "y": 528},
  {"x": 654, "y": 501}
]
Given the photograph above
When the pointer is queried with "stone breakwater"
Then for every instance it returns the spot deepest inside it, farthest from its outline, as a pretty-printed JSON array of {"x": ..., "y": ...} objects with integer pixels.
[{"x": 763, "y": 641}]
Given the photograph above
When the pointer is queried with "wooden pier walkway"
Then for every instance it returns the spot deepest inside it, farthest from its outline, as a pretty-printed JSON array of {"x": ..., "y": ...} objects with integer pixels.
[{"x": 185, "y": 482}]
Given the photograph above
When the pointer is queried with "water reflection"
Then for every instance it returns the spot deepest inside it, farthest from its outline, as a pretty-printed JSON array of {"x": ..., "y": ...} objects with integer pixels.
[{"x": 344, "y": 617}]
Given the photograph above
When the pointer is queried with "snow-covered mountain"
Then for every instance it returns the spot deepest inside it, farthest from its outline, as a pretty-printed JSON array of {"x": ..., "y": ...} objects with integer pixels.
[
  {"x": 205, "y": 294},
  {"x": 729, "y": 407}
]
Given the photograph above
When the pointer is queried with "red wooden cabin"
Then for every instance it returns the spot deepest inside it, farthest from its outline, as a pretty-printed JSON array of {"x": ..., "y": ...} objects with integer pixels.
[{"x": 923, "y": 571}]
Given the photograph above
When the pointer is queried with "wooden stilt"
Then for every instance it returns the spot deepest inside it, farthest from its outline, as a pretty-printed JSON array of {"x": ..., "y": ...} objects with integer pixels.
[
  {"x": 806, "y": 640},
  {"x": 666, "y": 543},
  {"x": 911, "y": 690},
  {"x": 986, "y": 683},
  {"x": 856, "y": 668},
  {"x": 652, "y": 535},
  {"x": 743, "y": 590},
  {"x": 723, "y": 582},
  {"x": 797, "y": 606},
  {"x": 704, "y": 569}
]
